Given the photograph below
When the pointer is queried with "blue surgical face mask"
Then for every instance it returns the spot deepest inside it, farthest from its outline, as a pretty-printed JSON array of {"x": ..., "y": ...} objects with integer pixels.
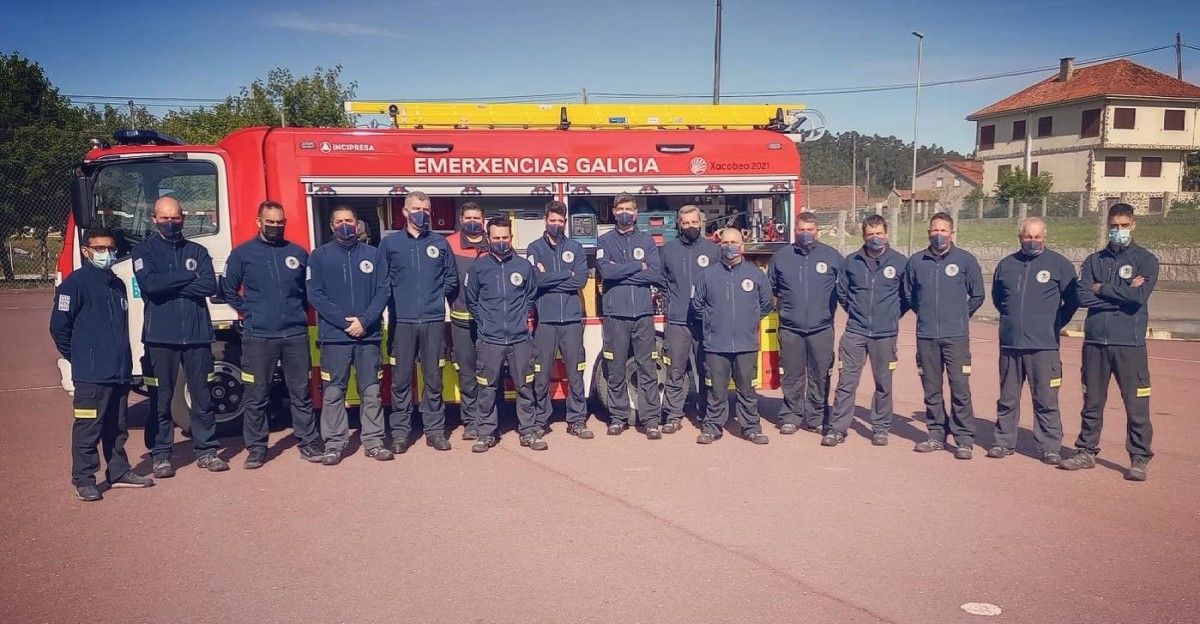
[
  {"x": 806, "y": 240},
  {"x": 555, "y": 231},
  {"x": 625, "y": 219},
  {"x": 102, "y": 259},
  {"x": 502, "y": 249},
  {"x": 1032, "y": 247},
  {"x": 419, "y": 219},
  {"x": 876, "y": 244},
  {"x": 730, "y": 251},
  {"x": 1120, "y": 237},
  {"x": 939, "y": 242},
  {"x": 472, "y": 228},
  {"x": 170, "y": 229}
]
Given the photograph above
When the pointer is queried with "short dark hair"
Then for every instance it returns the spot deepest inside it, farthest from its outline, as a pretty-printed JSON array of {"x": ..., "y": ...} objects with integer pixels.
[
  {"x": 498, "y": 222},
  {"x": 98, "y": 232},
  {"x": 806, "y": 217},
  {"x": 874, "y": 221},
  {"x": 268, "y": 205},
  {"x": 624, "y": 198},
  {"x": 1121, "y": 209},
  {"x": 942, "y": 216},
  {"x": 556, "y": 207},
  {"x": 342, "y": 208},
  {"x": 462, "y": 210}
]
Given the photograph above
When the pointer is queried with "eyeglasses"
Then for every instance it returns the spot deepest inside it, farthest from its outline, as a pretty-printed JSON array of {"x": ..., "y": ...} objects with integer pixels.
[{"x": 108, "y": 248}]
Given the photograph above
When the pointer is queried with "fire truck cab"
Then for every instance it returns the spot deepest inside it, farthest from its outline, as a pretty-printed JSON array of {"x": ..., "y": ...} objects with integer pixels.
[{"x": 746, "y": 177}]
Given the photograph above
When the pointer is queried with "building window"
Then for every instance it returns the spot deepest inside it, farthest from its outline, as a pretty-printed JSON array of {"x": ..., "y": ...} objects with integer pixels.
[
  {"x": 1018, "y": 130},
  {"x": 938, "y": 183},
  {"x": 1173, "y": 120},
  {"x": 1123, "y": 118},
  {"x": 957, "y": 183},
  {"x": 1156, "y": 204},
  {"x": 1151, "y": 166},
  {"x": 1033, "y": 169},
  {"x": 987, "y": 137},
  {"x": 1003, "y": 170},
  {"x": 1045, "y": 126},
  {"x": 1114, "y": 166},
  {"x": 1090, "y": 126}
]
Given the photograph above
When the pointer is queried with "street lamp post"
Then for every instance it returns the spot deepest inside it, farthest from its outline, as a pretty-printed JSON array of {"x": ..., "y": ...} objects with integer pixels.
[{"x": 912, "y": 215}]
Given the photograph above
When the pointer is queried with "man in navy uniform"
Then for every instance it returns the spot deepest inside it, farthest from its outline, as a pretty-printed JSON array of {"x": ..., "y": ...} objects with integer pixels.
[
  {"x": 804, "y": 277},
  {"x": 869, "y": 292},
  {"x": 264, "y": 282},
  {"x": 467, "y": 245},
  {"x": 944, "y": 285},
  {"x": 500, "y": 290},
  {"x": 562, "y": 264},
  {"x": 90, "y": 327},
  {"x": 683, "y": 260},
  {"x": 1115, "y": 284},
  {"x": 731, "y": 298},
  {"x": 628, "y": 263},
  {"x": 349, "y": 294},
  {"x": 1034, "y": 291},
  {"x": 422, "y": 275},
  {"x": 175, "y": 277}
]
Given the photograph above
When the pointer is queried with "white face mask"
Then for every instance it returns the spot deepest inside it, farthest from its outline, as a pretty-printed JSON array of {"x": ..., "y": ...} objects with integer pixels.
[{"x": 102, "y": 259}]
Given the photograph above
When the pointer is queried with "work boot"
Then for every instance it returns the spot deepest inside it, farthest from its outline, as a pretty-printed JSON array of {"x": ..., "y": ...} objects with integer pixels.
[
  {"x": 963, "y": 452},
  {"x": 833, "y": 438},
  {"x": 788, "y": 428},
  {"x": 999, "y": 452},
  {"x": 1137, "y": 469},
  {"x": 438, "y": 442},
  {"x": 212, "y": 463},
  {"x": 162, "y": 469},
  {"x": 673, "y": 425},
  {"x": 483, "y": 444},
  {"x": 580, "y": 431},
  {"x": 879, "y": 439},
  {"x": 706, "y": 438},
  {"x": 616, "y": 428},
  {"x": 1079, "y": 461},
  {"x": 255, "y": 458},
  {"x": 132, "y": 479},
  {"x": 332, "y": 457},
  {"x": 88, "y": 493},
  {"x": 758, "y": 437},
  {"x": 653, "y": 433},
  {"x": 380, "y": 453},
  {"x": 535, "y": 442},
  {"x": 313, "y": 452},
  {"x": 929, "y": 446},
  {"x": 470, "y": 433},
  {"x": 399, "y": 447},
  {"x": 1051, "y": 458}
]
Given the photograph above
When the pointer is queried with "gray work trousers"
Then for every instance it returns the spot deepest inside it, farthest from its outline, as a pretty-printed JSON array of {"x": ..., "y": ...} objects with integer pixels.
[
  {"x": 853, "y": 351},
  {"x": 336, "y": 360},
  {"x": 743, "y": 367},
  {"x": 807, "y": 360},
  {"x": 950, "y": 357},
  {"x": 1043, "y": 369}
]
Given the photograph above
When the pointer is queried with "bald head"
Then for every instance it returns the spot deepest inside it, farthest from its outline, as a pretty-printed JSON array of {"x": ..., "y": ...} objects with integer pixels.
[
  {"x": 168, "y": 206},
  {"x": 731, "y": 235}
]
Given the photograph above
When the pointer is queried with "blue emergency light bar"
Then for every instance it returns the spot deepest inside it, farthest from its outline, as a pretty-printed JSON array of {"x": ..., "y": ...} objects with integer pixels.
[{"x": 145, "y": 137}]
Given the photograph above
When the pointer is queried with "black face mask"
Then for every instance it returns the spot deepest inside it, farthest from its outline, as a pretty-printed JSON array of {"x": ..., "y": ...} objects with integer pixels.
[
  {"x": 272, "y": 233},
  {"x": 690, "y": 234}
]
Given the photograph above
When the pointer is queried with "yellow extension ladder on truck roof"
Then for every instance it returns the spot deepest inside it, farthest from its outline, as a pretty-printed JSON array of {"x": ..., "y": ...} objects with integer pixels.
[{"x": 786, "y": 118}]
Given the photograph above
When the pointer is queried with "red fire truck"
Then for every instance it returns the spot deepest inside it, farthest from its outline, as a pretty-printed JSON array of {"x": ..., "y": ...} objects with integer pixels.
[{"x": 721, "y": 158}]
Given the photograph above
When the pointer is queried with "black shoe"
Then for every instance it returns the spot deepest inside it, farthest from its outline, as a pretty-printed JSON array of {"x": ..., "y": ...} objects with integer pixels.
[
  {"x": 437, "y": 442},
  {"x": 1050, "y": 458},
  {"x": 88, "y": 493},
  {"x": 788, "y": 428},
  {"x": 616, "y": 429},
  {"x": 1081, "y": 460},
  {"x": 399, "y": 448},
  {"x": 483, "y": 444},
  {"x": 580, "y": 431},
  {"x": 833, "y": 438},
  {"x": 653, "y": 433},
  {"x": 313, "y": 451},
  {"x": 673, "y": 425},
  {"x": 255, "y": 458},
  {"x": 963, "y": 452},
  {"x": 132, "y": 480},
  {"x": 332, "y": 457},
  {"x": 380, "y": 453},
  {"x": 470, "y": 433},
  {"x": 535, "y": 442},
  {"x": 879, "y": 439},
  {"x": 929, "y": 446},
  {"x": 999, "y": 452},
  {"x": 1137, "y": 469},
  {"x": 162, "y": 469},
  {"x": 212, "y": 463},
  {"x": 758, "y": 437},
  {"x": 706, "y": 438}
]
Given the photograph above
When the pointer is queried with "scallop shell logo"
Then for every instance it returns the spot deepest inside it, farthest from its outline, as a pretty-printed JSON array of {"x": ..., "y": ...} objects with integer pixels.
[
  {"x": 365, "y": 266},
  {"x": 702, "y": 261},
  {"x": 639, "y": 253},
  {"x": 822, "y": 268},
  {"x": 747, "y": 285},
  {"x": 568, "y": 256},
  {"x": 1043, "y": 276},
  {"x": 951, "y": 270},
  {"x": 292, "y": 262},
  {"x": 1126, "y": 271},
  {"x": 699, "y": 166},
  {"x": 516, "y": 279},
  {"x": 889, "y": 272},
  {"x": 431, "y": 251}
]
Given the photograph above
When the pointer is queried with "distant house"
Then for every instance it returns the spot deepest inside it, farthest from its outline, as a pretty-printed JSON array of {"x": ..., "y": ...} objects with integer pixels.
[
  {"x": 1116, "y": 131},
  {"x": 831, "y": 198},
  {"x": 927, "y": 201},
  {"x": 950, "y": 181}
]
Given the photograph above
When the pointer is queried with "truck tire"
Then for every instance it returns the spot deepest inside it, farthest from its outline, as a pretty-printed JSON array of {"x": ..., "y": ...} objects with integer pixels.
[
  {"x": 226, "y": 391},
  {"x": 598, "y": 396}
]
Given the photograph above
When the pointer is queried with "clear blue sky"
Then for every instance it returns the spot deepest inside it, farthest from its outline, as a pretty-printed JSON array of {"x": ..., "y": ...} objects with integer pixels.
[{"x": 419, "y": 49}]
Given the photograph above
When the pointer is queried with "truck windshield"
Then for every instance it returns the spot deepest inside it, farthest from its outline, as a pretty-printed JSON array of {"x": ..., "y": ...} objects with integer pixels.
[{"x": 123, "y": 196}]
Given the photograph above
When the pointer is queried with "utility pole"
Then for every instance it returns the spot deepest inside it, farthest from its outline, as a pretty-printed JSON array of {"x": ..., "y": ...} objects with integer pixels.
[
  {"x": 853, "y": 175},
  {"x": 1178, "y": 56},
  {"x": 583, "y": 95},
  {"x": 868, "y": 180},
  {"x": 912, "y": 215},
  {"x": 132, "y": 115},
  {"x": 717, "y": 59}
]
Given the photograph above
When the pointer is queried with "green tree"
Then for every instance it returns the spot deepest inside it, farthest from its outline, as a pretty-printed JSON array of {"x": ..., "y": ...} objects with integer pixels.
[
  {"x": 1019, "y": 186},
  {"x": 829, "y": 160}
]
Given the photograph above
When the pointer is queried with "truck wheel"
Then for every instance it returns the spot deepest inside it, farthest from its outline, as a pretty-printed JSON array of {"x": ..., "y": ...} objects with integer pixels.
[
  {"x": 226, "y": 391},
  {"x": 599, "y": 390}
]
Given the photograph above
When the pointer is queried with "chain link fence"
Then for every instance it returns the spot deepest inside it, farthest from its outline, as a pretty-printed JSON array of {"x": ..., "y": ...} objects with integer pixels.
[{"x": 32, "y": 226}]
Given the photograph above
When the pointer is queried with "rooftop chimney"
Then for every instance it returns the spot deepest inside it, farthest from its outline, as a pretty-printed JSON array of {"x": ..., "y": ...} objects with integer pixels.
[{"x": 1066, "y": 68}]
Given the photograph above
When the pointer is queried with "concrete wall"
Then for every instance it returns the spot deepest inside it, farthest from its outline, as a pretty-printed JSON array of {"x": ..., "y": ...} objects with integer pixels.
[
  {"x": 1170, "y": 180},
  {"x": 1148, "y": 126}
]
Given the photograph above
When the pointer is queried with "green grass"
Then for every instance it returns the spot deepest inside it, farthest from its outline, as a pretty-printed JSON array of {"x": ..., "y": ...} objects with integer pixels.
[
  {"x": 30, "y": 263},
  {"x": 1151, "y": 232}
]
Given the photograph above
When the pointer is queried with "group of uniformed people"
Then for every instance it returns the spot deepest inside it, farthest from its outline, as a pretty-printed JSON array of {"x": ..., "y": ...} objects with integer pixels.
[{"x": 715, "y": 300}]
